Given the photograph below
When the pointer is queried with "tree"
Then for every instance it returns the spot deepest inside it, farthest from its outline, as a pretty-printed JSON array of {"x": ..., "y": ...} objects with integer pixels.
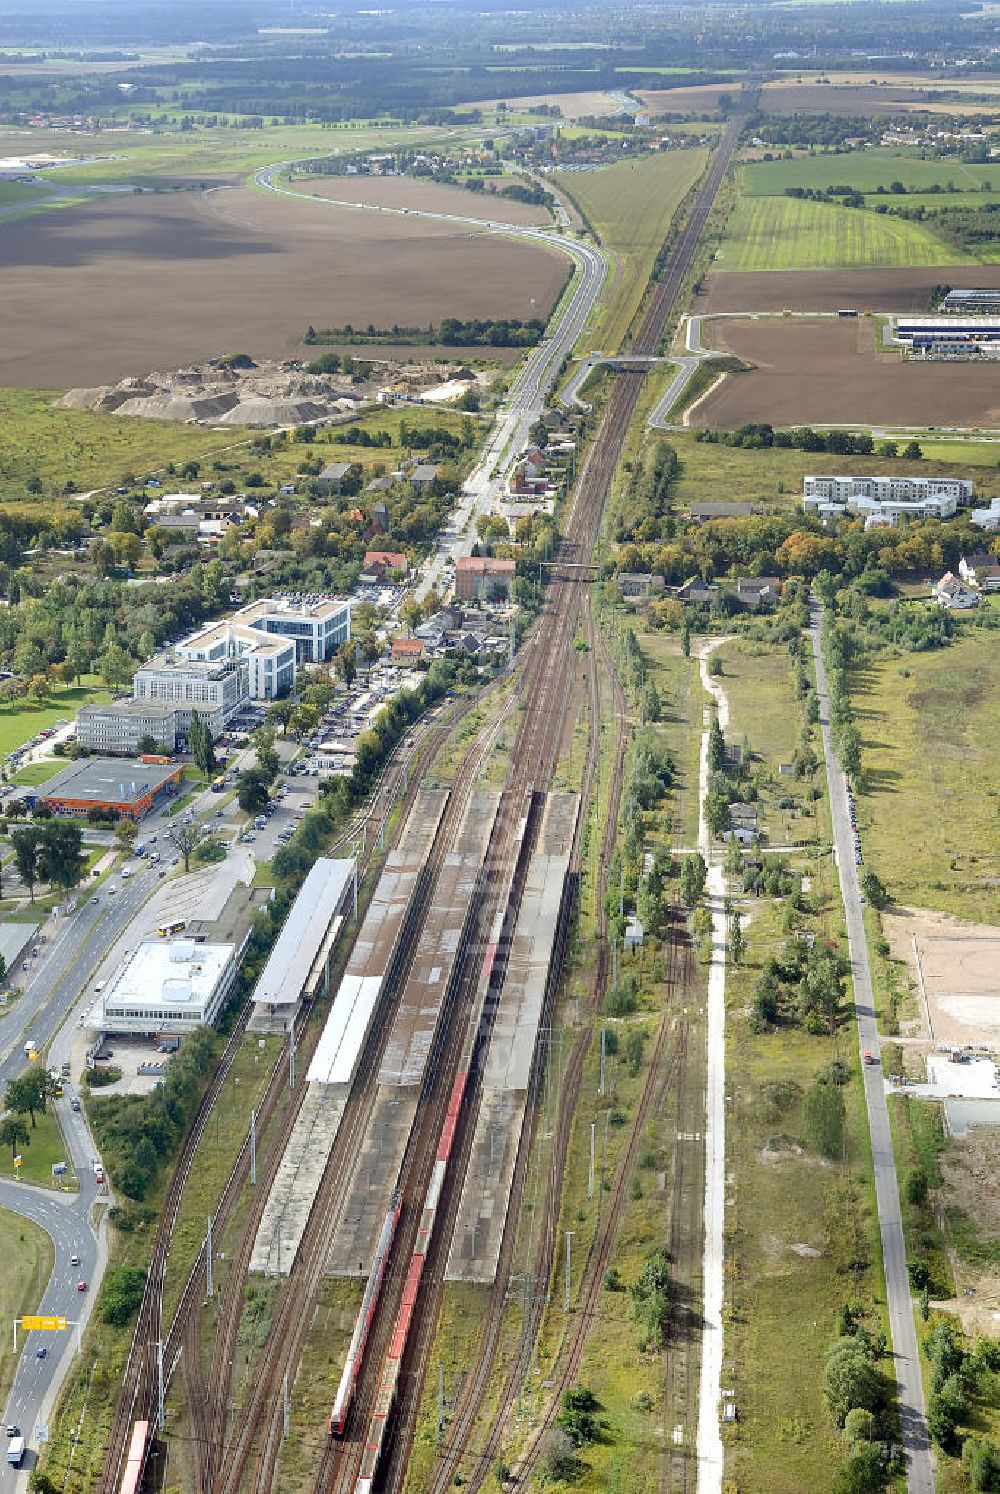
[
  {"x": 650, "y": 1297},
  {"x": 852, "y": 1379},
  {"x": 874, "y": 890},
  {"x": 737, "y": 943},
  {"x": 145, "y": 745},
  {"x": 693, "y": 875},
  {"x": 24, "y": 841},
  {"x": 251, "y": 791},
  {"x": 14, "y": 1133},
  {"x": 78, "y": 660},
  {"x": 61, "y": 861},
  {"x": 734, "y": 858},
  {"x": 912, "y": 451},
  {"x": 121, "y": 1294},
  {"x": 558, "y": 1459},
  {"x": 685, "y": 636},
  {"x": 267, "y": 758},
  {"x": 863, "y": 1473},
  {"x": 344, "y": 663},
  {"x": 116, "y": 666},
  {"x": 716, "y": 746},
  {"x": 859, "y": 1425},
  {"x": 184, "y": 838},
  {"x": 126, "y": 831},
  {"x": 29, "y": 1093},
  {"x": 200, "y": 744},
  {"x": 983, "y": 1463}
]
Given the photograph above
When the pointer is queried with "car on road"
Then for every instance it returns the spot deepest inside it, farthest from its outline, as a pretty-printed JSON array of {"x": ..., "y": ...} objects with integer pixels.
[
  {"x": 113, "y": 887},
  {"x": 41, "y": 1351},
  {"x": 869, "y": 1056},
  {"x": 74, "y": 1105},
  {"x": 81, "y": 1286},
  {"x": 74, "y": 1260}
]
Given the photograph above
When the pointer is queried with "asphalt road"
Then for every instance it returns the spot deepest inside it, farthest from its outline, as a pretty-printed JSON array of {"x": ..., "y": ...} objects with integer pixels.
[
  {"x": 910, "y": 1390},
  {"x": 64, "y": 1217}
]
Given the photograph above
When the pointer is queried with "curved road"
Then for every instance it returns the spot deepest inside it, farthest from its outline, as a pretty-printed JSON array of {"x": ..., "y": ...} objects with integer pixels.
[{"x": 525, "y": 399}]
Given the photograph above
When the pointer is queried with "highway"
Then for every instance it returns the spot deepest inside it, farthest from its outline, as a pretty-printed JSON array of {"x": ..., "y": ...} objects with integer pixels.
[
  {"x": 909, "y": 1386},
  {"x": 525, "y": 398}
]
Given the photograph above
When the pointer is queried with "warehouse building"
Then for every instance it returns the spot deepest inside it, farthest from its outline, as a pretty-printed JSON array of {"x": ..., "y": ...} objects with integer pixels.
[
  {"x": 106, "y": 784},
  {"x": 972, "y": 300},
  {"x": 168, "y": 987},
  {"x": 958, "y": 337}
]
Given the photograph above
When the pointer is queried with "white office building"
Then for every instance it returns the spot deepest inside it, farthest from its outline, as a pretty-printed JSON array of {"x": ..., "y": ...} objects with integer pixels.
[
  {"x": 215, "y": 688},
  {"x": 317, "y": 628},
  {"x": 167, "y": 986},
  {"x": 269, "y": 662}
]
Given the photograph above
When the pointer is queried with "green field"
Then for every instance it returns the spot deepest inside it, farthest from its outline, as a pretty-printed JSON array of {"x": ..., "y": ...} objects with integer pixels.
[
  {"x": 631, "y": 206},
  {"x": 93, "y": 450},
  {"x": 866, "y": 171},
  {"x": 28, "y": 1256},
  {"x": 930, "y": 802},
  {"x": 784, "y": 233},
  {"x": 22, "y": 719},
  {"x": 45, "y": 1147}
]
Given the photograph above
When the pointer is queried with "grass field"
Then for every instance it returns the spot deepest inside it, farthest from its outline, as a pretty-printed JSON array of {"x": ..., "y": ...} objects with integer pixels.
[
  {"x": 865, "y": 171},
  {"x": 22, "y": 719},
  {"x": 46, "y": 1146},
  {"x": 28, "y": 1254},
  {"x": 929, "y": 808},
  {"x": 784, "y": 233},
  {"x": 94, "y": 450},
  {"x": 631, "y": 206},
  {"x": 39, "y": 772}
]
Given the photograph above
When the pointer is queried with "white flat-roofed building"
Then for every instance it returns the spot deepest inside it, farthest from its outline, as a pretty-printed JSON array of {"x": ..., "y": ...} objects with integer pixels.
[
  {"x": 269, "y": 661},
  {"x": 168, "y": 986},
  {"x": 885, "y": 489},
  {"x": 120, "y": 725},
  {"x": 215, "y": 688},
  {"x": 299, "y": 961},
  {"x": 316, "y": 628}
]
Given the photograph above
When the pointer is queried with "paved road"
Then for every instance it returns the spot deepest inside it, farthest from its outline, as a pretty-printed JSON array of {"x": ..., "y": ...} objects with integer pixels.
[
  {"x": 65, "y": 1217},
  {"x": 525, "y": 398},
  {"x": 910, "y": 1390}
]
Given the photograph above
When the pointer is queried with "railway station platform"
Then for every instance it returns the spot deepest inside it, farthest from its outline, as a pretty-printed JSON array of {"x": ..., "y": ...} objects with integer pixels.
[
  {"x": 411, "y": 1037},
  {"x": 532, "y": 962},
  {"x": 342, "y": 1041}
]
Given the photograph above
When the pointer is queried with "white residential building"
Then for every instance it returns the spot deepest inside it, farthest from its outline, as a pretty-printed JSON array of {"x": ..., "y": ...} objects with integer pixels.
[
  {"x": 269, "y": 662},
  {"x": 952, "y": 593},
  {"x": 167, "y": 986},
  {"x": 844, "y": 490},
  {"x": 987, "y": 518}
]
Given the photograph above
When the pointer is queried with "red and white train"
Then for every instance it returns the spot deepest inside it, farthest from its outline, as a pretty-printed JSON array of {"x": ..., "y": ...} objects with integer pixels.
[
  {"x": 369, "y": 1302},
  {"x": 386, "y": 1395},
  {"x": 136, "y": 1460}
]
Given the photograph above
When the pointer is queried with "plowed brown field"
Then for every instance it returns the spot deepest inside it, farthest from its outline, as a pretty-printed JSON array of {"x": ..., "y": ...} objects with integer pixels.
[
  {"x": 829, "y": 290},
  {"x": 136, "y": 283},
  {"x": 828, "y": 373},
  {"x": 428, "y": 197}
]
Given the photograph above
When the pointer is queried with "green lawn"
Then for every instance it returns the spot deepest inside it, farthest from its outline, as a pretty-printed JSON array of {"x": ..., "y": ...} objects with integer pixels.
[
  {"x": 930, "y": 801},
  {"x": 20, "y": 720},
  {"x": 631, "y": 205},
  {"x": 28, "y": 1256},
  {"x": 39, "y": 772},
  {"x": 45, "y": 1147},
  {"x": 866, "y": 171},
  {"x": 782, "y": 233},
  {"x": 40, "y": 441},
  {"x": 967, "y": 453}
]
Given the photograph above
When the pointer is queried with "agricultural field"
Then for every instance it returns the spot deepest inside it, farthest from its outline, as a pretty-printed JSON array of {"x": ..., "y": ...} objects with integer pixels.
[
  {"x": 929, "y": 802},
  {"x": 830, "y": 373},
  {"x": 238, "y": 270},
  {"x": 28, "y": 1257},
  {"x": 784, "y": 233},
  {"x": 818, "y": 290},
  {"x": 701, "y": 98},
  {"x": 866, "y": 171},
  {"x": 94, "y": 450},
  {"x": 415, "y": 194},
  {"x": 631, "y": 206}
]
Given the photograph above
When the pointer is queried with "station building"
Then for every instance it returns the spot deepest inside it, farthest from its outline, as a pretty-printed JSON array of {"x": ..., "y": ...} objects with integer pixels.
[
  {"x": 168, "y": 987},
  {"x": 108, "y": 784}
]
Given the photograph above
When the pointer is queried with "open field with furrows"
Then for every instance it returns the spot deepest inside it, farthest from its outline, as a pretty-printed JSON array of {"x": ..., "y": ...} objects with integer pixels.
[
  {"x": 28, "y": 1255},
  {"x": 865, "y": 171},
  {"x": 820, "y": 290},
  {"x": 702, "y": 98},
  {"x": 829, "y": 373},
  {"x": 784, "y": 97},
  {"x": 416, "y": 195},
  {"x": 132, "y": 283},
  {"x": 929, "y": 806},
  {"x": 631, "y": 205},
  {"x": 94, "y": 450},
  {"x": 785, "y": 233}
]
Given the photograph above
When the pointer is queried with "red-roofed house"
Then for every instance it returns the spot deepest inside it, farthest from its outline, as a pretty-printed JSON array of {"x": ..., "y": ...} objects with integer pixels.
[
  {"x": 479, "y": 577},
  {"x": 378, "y": 564}
]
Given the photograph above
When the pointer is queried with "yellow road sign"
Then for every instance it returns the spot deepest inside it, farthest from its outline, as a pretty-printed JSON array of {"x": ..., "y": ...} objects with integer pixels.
[{"x": 44, "y": 1325}]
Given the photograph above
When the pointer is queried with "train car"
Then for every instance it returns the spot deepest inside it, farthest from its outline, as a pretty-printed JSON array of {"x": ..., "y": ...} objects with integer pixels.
[
  {"x": 451, "y": 1118},
  {"x": 369, "y": 1302},
  {"x": 136, "y": 1460}
]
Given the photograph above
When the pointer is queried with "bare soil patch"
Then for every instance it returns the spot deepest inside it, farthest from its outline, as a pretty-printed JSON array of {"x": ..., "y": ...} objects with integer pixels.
[
  {"x": 960, "y": 962},
  {"x": 703, "y": 98},
  {"x": 829, "y": 290},
  {"x": 427, "y": 197},
  {"x": 573, "y": 105},
  {"x": 794, "y": 98},
  {"x": 822, "y": 372},
  {"x": 131, "y": 283}
]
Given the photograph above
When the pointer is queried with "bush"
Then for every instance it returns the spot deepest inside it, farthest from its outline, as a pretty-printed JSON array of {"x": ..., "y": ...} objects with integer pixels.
[
  {"x": 121, "y": 1294},
  {"x": 108, "y": 1073}
]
